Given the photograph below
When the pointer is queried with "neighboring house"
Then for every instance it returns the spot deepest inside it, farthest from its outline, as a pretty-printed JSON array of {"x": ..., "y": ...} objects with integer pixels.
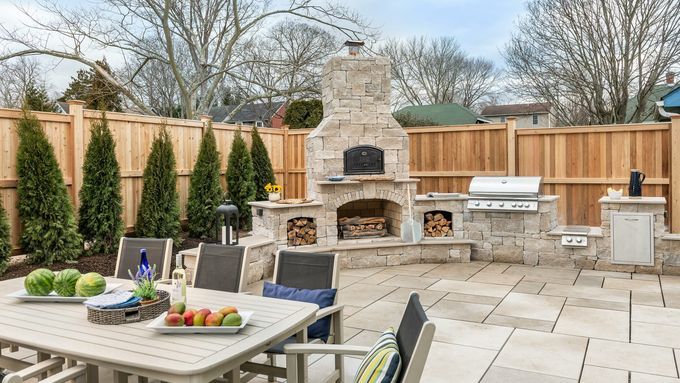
[
  {"x": 657, "y": 104},
  {"x": 536, "y": 115},
  {"x": 62, "y": 107},
  {"x": 670, "y": 103},
  {"x": 262, "y": 114},
  {"x": 445, "y": 114}
]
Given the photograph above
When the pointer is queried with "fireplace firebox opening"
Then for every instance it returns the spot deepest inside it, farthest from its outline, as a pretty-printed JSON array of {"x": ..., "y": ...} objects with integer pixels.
[{"x": 369, "y": 218}]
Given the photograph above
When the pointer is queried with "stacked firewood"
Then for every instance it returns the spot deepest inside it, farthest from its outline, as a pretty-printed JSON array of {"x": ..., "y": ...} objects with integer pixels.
[
  {"x": 436, "y": 225},
  {"x": 358, "y": 227},
  {"x": 301, "y": 231}
]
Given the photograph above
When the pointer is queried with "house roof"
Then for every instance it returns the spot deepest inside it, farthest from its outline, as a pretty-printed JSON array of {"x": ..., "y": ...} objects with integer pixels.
[
  {"x": 445, "y": 114},
  {"x": 250, "y": 113},
  {"x": 63, "y": 107},
  {"x": 516, "y": 109},
  {"x": 650, "y": 113}
]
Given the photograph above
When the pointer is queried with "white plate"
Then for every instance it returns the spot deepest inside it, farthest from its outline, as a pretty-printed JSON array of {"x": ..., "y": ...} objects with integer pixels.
[
  {"x": 158, "y": 325},
  {"x": 53, "y": 297}
]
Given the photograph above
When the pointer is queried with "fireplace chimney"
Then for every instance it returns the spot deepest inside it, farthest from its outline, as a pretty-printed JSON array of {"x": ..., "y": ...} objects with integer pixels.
[
  {"x": 670, "y": 78},
  {"x": 354, "y": 46}
]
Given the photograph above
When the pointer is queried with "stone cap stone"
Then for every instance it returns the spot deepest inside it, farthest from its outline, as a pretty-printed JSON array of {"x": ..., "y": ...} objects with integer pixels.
[{"x": 635, "y": 200}]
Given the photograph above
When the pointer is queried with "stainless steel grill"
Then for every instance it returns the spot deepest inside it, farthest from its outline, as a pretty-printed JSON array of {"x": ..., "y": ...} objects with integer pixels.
[{"x": 505, "y": 193}]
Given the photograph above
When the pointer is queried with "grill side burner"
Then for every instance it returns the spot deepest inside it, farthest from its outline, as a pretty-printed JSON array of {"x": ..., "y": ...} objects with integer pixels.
[{"x": 505, "y": 194}]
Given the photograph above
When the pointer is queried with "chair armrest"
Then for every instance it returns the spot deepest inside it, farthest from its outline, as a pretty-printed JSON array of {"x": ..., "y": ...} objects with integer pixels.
[
  {"x": 337, "y": 349},
  {"x": 326, "y": 311}
]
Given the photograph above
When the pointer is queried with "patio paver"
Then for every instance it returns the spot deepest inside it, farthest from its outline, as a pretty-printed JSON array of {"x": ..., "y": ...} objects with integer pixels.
[
  {"x": 544, "y": 353},
  {"x": 632, "y": 357},
  {"x": 594, "y": 323}
]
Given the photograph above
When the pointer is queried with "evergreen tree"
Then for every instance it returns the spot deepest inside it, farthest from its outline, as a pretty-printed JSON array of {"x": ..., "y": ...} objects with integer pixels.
[
  {"x": 36, "y": 98},
  {"x": 101, "y": 202},
  {"x": 263, "y": 173},
  {"x": 205, "y": 190},
  {"x": 304, "y": 114},
  {"x": 158, "y": 214},
  {"x": 91, "y": 86},
  {"x": 240, "y": 186},
  {"x": 5, "y": 241},
  {"x": 50, "y": 232}
]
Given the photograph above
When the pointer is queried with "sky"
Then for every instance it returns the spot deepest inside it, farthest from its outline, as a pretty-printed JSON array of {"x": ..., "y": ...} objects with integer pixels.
[{"x": 482, "y": 27}]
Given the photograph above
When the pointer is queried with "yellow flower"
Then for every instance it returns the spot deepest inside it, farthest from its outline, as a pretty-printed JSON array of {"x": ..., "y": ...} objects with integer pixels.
[
  {"x": 278, "y": 188},
  {"x": 268, "y": 188}
]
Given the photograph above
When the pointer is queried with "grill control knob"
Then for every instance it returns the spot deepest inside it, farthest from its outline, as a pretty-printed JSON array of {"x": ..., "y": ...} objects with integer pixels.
[
  {"x": 476, "y": 203},
  {"x": 527, "y": 205},
  {"x": 519, "y": 204},
  {"x": 501, "y": 204},
  {"x": 579, "y": 240},
  {"x": 569, "y": 239},
  {"x": 513, "y": 204},
  {"x": 488, "y": 204}
]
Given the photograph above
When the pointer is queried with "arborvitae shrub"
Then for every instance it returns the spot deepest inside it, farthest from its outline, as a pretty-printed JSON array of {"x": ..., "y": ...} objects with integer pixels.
[
  {"x": 240, "y": 186},
  {"x": 205, "y": 191},
  {"x": 263, "y": 173},
  {"x": 5, "y": 240},
  {"x": 158, "y": 214},
  {"x": 304, "y": 114},
  {"x": 50, "y": 233},
  {"x": 101, "y": 205}
]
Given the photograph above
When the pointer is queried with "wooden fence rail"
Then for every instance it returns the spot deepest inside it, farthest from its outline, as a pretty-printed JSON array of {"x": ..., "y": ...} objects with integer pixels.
[{"x": 577, "y": 163}]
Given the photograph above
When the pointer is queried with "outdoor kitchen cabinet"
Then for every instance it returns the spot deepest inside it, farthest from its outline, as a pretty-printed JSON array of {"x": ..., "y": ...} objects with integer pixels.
[{"x": 632, "y": 238}]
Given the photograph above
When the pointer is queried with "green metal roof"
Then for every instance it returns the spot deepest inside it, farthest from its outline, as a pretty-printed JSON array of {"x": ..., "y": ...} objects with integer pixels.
[
  {"x": 650, "y": 113},
  {"x": 444, "y": 114}
]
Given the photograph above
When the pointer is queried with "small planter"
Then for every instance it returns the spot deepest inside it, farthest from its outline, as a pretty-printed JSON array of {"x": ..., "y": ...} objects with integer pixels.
[
  {"x": 273, "y": 197},
  {"x": 150, "y": 301}
]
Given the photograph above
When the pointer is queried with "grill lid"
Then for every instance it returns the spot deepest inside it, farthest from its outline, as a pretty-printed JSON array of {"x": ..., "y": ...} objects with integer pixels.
[{"x": 506, "y": 187}]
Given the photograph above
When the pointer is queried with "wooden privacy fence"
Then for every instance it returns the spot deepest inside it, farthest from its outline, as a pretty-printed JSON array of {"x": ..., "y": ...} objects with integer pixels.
[
  {"x": 577, "y": 163},
  {"x": 133, "y": 134}
]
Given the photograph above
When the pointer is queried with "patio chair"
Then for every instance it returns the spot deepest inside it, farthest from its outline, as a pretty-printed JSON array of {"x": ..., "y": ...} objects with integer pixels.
[
  {"x": 221, "y": 267},
  {"x": 414, "y": 339},
  {"x": 158, "y": 253},
  {"x": 305, "y": 271},
  {"x": 52, "y": 366}
]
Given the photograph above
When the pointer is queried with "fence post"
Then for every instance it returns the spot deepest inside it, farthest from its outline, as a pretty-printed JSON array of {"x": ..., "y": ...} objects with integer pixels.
[
  {"x": 75, "y": 109},
  {"x": 205, "y": 119},
  {"x": 675, "y": 174},
  {"x": 284, "y": 182},
  {"x": 511, "y": 126}
]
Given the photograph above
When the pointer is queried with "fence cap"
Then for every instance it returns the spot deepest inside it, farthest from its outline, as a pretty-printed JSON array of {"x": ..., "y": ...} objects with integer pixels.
[{"x": 75, "y": 102}]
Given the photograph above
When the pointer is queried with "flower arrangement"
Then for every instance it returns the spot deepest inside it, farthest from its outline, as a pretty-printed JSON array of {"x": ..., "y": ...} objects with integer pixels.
[
  {"x": 145, "y": 283},
  {"x": 274, "y": 191},
  {"x": 269, "y": 188}
]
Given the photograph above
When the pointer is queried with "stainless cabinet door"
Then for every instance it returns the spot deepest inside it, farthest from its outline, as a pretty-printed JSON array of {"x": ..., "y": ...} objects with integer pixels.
[{"x": 632, "y": 238}]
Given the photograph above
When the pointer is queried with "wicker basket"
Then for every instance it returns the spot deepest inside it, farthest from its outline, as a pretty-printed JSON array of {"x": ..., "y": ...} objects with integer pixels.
[{"x": 130, "y": 314}]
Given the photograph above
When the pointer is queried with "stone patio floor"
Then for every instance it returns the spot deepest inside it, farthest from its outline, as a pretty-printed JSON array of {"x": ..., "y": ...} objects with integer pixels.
[{"x": 514, "y": 323}]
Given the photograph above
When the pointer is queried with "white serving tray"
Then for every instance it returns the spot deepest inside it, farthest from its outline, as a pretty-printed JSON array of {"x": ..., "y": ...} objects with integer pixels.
[
  {"x": 158, "y": 325},
  {"x": 53, "y": 297}
]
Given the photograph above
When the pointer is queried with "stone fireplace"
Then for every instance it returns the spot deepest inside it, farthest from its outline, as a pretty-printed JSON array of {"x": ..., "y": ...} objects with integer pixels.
[{"x": 357, "y": 166}]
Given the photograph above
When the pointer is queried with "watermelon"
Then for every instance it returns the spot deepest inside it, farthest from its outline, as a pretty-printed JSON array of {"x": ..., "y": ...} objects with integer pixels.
[
  {"x": 39, "y": 282},
  {"x": 90, "y": 284},
  {"x": 65, "y": 282}
]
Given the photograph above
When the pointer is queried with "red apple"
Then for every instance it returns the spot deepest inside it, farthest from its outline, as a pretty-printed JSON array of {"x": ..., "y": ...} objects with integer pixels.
[
  {"x": 174, "y": 320},
  {"x": 189, "y": 317}
]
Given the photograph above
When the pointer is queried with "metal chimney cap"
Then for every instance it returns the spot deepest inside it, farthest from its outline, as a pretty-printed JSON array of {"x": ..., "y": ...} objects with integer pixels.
[
  {"x": 354, "y": 43},
  {"x": 354, "y": 46}
]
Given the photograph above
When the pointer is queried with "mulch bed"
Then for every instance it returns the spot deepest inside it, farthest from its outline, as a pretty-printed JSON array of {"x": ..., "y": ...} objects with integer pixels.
[{"x": 104, "y": 264}]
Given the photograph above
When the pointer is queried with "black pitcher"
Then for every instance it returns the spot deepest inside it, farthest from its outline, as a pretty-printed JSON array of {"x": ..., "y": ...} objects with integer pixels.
[{"x": 635, "y": 186}]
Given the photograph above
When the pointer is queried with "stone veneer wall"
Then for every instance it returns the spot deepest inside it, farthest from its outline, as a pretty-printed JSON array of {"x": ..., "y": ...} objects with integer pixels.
[{"x": 357, "y": 111}]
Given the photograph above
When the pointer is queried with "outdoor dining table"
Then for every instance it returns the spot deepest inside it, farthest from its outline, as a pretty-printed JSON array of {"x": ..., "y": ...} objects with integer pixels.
[{"x": 62, "y": 329}]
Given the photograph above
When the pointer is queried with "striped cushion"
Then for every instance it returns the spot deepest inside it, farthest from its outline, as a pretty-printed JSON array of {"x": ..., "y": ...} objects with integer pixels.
[{"x": 383, "y": 363}]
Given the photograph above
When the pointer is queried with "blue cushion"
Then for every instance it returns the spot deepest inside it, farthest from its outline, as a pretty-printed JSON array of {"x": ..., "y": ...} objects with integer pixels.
[{"x": 322, "y": 297}]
